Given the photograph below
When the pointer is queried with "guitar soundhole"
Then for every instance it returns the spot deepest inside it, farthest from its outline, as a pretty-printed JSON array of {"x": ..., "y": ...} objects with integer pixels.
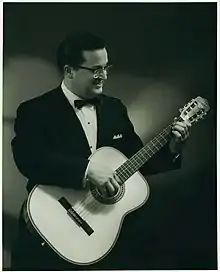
[{"x": 108, "y": 199}]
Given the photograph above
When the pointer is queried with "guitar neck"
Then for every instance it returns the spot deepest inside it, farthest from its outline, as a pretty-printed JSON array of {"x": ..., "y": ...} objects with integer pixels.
[{"x": 132, "y": 165}]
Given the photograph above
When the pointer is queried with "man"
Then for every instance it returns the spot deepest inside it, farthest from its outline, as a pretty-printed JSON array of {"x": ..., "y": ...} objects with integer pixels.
[{"x": 58, "y": 131}]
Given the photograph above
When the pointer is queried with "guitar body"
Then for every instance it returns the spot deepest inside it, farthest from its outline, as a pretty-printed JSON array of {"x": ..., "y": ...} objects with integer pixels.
[{"x": 70, "y": 241}]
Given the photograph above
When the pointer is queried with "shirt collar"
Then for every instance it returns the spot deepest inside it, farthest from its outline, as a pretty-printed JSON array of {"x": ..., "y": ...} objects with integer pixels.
[{"x": 69, "y": 95}]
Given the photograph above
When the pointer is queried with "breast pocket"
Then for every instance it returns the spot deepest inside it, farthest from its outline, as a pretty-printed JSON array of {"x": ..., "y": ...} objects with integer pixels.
[{"x": 117, "y": 140}]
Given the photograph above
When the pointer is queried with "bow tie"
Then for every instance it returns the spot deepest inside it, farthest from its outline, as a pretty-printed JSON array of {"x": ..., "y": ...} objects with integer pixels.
[{"x": 82, "y": 102}]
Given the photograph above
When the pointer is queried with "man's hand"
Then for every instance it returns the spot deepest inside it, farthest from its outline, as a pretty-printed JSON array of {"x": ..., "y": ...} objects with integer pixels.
[
  {"x": 180, "y": 133},
  {"x": 103, "y": 178}
]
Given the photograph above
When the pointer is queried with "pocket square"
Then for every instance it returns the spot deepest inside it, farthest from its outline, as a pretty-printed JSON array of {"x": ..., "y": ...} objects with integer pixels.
[{"x": 117, "y": 136}]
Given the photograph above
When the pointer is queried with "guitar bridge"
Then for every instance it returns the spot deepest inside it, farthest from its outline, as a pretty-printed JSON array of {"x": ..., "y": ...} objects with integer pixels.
[{"x": 75, "y": 216}]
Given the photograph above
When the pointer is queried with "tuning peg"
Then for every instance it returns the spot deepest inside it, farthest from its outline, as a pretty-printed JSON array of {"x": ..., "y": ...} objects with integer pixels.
[{"x": 180, "y": 110}]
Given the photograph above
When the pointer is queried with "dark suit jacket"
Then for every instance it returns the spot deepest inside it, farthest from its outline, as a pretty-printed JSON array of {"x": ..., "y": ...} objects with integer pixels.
[{"x": 50, "y": 146}]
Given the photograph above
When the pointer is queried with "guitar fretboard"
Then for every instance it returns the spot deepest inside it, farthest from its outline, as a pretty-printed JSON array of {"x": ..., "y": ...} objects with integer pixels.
[{"x": 132, "y": 165}]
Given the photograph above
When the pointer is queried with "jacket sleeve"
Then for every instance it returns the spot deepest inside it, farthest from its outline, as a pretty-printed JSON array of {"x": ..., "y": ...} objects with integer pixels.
[
  {"x": 162, "y": 161},
  {"x": 33, "y": 158}
]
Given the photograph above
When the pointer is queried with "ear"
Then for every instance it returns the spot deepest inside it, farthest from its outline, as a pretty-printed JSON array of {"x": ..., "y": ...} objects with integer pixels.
[{"x": 69, "y": 71}]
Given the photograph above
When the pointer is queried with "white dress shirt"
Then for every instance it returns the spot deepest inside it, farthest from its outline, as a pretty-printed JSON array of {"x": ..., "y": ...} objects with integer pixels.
[{"x": 87, "y": 117}]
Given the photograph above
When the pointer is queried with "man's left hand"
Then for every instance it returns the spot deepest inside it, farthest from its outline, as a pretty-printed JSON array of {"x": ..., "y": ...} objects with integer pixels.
[{"x": 180, "y": 133}]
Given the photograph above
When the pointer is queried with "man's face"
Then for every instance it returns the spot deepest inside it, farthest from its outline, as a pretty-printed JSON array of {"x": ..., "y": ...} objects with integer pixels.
[{"x": 84, "y": 81}]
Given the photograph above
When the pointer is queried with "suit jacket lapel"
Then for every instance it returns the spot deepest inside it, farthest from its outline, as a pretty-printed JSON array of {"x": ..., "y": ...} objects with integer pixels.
[{"x": 70, "y": 120}]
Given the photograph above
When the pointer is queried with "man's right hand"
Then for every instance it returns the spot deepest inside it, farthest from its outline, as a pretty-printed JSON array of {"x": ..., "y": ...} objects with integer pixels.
[{"x": 103, "y": 178}]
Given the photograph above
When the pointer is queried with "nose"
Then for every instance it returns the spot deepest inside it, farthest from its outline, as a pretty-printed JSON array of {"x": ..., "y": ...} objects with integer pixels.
[{"x": 102, "y": 75}]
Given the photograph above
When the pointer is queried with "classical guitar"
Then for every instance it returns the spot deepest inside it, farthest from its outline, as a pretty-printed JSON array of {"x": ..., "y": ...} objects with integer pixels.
[{"x": 74, "y": 222}]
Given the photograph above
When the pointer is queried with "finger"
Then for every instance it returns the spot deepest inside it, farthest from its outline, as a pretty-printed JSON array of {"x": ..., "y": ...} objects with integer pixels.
[
  {"x": 180, "y": 129},
  {"x": 181, "y": 124},
  {"x": 103, "y": 190},
  {"x": 177, "y": 134},
  {"x": 116, "y": 177},
  {"x": 186, "y": 125},
  {"x": 185, "y": 133},
  {"x": 180, "y": 136},
  {"x": 114, "y": 182},
  {"x": 110, "y": 188},
  {"x": 175, "y": 120}
]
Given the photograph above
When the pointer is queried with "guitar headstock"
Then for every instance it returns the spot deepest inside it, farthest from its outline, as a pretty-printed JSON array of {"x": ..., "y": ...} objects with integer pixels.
[{"x": 195, "y": 110}]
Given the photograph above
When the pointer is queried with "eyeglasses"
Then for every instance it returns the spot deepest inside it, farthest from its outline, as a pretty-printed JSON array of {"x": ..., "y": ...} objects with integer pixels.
[{"x": 97, "y": 71}]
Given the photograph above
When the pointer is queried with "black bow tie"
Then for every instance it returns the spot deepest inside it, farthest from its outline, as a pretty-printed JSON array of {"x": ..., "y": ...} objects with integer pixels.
[{"x": 82, "y": 102}]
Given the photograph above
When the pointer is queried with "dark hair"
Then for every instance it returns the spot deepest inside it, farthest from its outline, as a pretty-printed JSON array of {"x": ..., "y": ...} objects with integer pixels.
[{"x": 71, "y": 48}]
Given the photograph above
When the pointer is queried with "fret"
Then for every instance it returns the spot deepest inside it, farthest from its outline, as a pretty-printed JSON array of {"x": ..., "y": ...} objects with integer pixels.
[
  {"x": 154, "y": 146},
  {"x": 158, "y": 141},
  {"x": 150, "y": 150}
]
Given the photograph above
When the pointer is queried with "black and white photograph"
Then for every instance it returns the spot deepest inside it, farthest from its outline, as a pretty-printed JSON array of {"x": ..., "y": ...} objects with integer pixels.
[{"x": 109, "y": 136}]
